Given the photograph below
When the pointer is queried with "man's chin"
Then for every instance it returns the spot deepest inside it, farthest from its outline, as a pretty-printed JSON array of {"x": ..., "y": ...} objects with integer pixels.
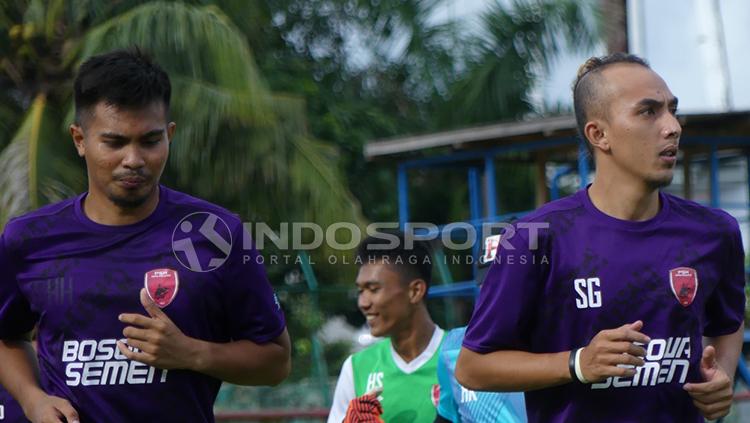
[
  {"x": 377, "y": 332},
  {"x": 130, "y": 200},
  {"x": 661, "y": 181}
]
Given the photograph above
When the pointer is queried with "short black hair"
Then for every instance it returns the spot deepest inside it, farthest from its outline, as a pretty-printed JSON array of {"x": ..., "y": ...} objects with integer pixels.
[
  {"x": 585, "y": 94},
  {"x": 124, "y": 78},
  {"x": 414, "y": 262}
]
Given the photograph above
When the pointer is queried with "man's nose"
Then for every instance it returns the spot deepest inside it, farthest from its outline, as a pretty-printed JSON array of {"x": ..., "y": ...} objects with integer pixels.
[
  {"x": 363, "y": 301},
  {"x": 133, "y": 158},
  {"x": 672, "y": 129}
]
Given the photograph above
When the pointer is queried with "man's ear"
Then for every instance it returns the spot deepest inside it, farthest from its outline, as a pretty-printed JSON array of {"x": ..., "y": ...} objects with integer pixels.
[
  {"x": 76, "y": 132},
  {"x": 170, "y": 131},
  {"x": 417, "y": 290},
  {"x": 596, "y": 133}
]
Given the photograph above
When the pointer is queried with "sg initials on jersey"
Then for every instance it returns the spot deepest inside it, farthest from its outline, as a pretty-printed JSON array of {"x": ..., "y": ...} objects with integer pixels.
[{"x": 589, "y": 294}]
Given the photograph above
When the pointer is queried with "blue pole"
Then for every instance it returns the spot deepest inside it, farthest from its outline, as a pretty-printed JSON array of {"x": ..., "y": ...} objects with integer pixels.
[
  {"x": 475, "y": 205},
  {"x": 474, "y": 190},
  {"x": 403, "y": 196},
  {"x": 714, "y": 178},
  {"x": 555, "y": 189},
  {"x": 489, "y": 176},
  {"x": 583, "y": 164}
]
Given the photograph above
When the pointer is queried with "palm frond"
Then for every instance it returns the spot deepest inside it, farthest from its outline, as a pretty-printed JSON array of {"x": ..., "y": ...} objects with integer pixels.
[
  {"x": 198, "y": 42},
  {"x": 516, "y": 40},
  {"x": 316, "y": 180},
  {"x": 14, "y": 181},
  {"x": 36, "y": 170}
]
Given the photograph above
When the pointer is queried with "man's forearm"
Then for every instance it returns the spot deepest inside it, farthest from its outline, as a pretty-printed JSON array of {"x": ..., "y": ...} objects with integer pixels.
[
  {"x": 728, "y": 349},
  {"x": 511, "y": 371},
  {"x": 244, "y": 362},
  {"x": 18, "y": 372}
]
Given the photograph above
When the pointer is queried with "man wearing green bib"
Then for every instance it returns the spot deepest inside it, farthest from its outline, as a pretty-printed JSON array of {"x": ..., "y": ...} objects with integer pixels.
[{"x": 392, "y": 283}]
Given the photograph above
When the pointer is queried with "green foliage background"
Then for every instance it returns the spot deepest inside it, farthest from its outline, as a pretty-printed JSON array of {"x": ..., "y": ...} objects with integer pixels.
[{"x": 274, "y": 101}]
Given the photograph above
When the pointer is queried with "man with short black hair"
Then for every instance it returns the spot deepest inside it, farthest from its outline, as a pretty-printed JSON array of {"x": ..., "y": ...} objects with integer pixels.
[
  {"x": 143, "y": 300},
  {"x": 392, "y": 283},
  {"x": 611, "y": 326}
]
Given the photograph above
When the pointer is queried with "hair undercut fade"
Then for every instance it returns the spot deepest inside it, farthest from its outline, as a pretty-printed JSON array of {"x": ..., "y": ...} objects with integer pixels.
[
  {"x": 127, "y": 79},
  {"x": 410, "y": 263},
  {"x": 585, "y": 90}
]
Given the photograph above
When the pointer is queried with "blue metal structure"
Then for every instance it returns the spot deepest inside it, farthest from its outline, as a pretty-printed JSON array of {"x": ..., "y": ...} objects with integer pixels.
[
  {"x": 554, "y": 192},
  {"x": 715, "y": 200},
  {"x": 491, "y": 191},
  {"x": 488, "y": 201}
]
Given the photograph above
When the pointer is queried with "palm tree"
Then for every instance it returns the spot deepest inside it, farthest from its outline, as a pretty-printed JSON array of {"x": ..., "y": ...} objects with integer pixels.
[
  {"x": 613, "y": 16},
  {"x": 517, "y": 43},
  {"x": 237, "y": 143}
]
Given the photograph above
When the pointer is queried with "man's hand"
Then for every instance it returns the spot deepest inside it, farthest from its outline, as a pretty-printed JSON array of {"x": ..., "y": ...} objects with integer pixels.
[
  {"x": 609, "y": 348},
  {"x": 714, "y": 396},
  {"x": 365, "y": 409},
  {"x": 161, "y": 343},
  {"x": 50, "y": 409}
]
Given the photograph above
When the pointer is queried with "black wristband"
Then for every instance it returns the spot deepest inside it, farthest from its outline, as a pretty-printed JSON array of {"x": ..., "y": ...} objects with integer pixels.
[{"x": 572, "y": 365}]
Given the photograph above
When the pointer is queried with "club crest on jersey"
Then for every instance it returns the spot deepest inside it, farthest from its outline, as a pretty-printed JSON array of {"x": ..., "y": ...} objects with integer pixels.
[
  {"x": 490, "y": 248},
  {"x": 684, "y": 284},
  {"x": 435, "y": 395},
  {"x": 162, "y": 285}
]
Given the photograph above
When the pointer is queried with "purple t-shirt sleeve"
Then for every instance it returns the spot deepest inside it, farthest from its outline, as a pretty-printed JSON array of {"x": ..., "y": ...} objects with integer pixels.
[
  {"x": 16, "y": 317},
  {"x": 252, "y": 308},
  {"x": 725, "y": 309},
  {"x": 507, "y": 301}
]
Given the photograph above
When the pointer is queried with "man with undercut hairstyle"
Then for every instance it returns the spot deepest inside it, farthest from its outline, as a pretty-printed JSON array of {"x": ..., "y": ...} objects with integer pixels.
[
  {"x": 629, "y": 306},
  {"x": 143, "y": 299}
]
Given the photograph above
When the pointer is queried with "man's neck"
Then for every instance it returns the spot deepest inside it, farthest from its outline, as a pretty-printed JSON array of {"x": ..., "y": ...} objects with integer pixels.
[
  {"x": 103, "y": 211},
  {"x": 412, "y": 340},
  {"x": 634, "y": 202}
]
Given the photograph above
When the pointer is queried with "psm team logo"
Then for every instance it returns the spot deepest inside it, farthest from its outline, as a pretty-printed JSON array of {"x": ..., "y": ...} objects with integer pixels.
[
  {"x": 684, "y": 284},
  {"x": 201, "y": 241},
  {"x": 435, "y": 395},
  {"x": 162, "y": 285},
  {"x": 489, "y": 253}
]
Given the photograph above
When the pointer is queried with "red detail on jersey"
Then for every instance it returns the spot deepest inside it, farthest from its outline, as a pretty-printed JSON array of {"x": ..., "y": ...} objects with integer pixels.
[
  {"x": 435, "y": 394},
  {"x": 684, "y": 284},
  {"x": 162, "y": 285},
  {"x": 491, "y": 245}
]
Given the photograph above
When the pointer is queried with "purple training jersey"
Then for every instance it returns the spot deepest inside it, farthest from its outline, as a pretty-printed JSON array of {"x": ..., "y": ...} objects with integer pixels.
[
  {"x": 681, "y": 273},
  {"x": 10, "y": 410},
  {"x": 74, "y": 277}
]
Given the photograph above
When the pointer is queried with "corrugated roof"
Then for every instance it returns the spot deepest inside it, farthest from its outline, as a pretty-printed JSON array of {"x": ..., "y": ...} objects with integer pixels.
[
  {"x": 385, "y": 147},
  {"x": 735, "y": 123}
]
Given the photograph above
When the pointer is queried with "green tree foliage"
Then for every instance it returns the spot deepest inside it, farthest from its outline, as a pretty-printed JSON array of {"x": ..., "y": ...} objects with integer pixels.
[
  {"x": 275, "y": 99},
  {"x": 238, "y": 143},
  {"x": 518, "y": 42}
]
